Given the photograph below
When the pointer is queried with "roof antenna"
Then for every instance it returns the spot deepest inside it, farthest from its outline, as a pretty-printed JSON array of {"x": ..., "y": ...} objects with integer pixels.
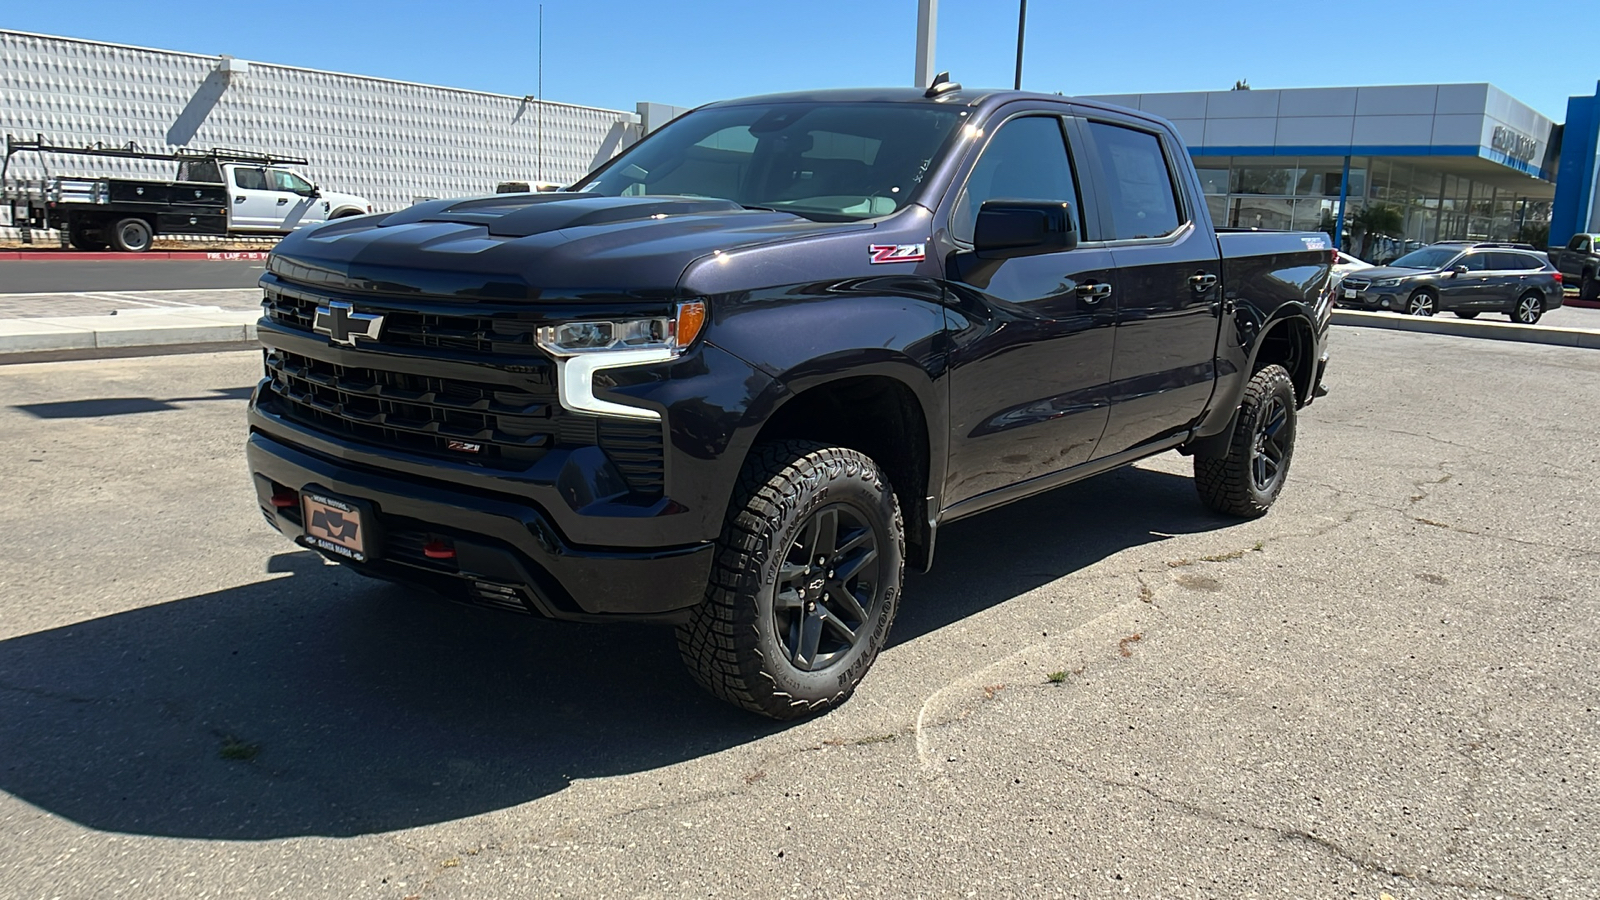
[{"x": 941, "y": 85}]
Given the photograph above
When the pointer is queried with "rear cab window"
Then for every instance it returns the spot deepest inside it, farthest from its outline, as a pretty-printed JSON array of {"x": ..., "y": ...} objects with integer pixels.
[{"x": 1140, "y": 197}]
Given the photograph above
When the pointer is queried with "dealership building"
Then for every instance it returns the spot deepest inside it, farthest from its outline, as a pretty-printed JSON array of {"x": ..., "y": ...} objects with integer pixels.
[{"x": 1454, "y": 161}]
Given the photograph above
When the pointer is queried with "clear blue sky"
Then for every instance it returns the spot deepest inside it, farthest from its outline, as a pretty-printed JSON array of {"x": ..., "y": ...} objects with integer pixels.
[{"x": 613, "y": 53}]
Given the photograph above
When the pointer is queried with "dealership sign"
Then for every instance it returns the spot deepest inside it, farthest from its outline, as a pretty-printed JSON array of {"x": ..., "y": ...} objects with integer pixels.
[{"x": 1514, "y": 144}]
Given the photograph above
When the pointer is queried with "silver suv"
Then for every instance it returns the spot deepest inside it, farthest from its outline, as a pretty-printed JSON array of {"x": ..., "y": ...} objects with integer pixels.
[{"x": 1466, "y": 279}]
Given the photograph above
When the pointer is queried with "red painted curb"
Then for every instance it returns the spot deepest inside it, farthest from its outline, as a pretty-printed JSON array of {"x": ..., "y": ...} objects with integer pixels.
[{"x": 87, "y": 256}]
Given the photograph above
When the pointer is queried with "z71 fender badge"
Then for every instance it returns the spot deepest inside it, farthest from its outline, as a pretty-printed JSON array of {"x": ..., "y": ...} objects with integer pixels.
[{"x": 896, "y": 253}]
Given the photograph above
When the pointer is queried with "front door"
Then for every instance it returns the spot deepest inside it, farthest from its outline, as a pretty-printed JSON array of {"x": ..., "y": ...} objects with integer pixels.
[
  {"x": 297, "y": 207},
  {"x": 1031, "y": 336},
  {"x": 1472, "y": 289},
  {"x": 1168, "y": 288}
]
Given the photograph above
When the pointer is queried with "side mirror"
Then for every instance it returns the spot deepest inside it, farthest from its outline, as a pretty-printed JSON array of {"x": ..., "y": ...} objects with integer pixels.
[
  {"x": 315, "y": 192},
  {"x": 1011, "y": 228},
  {"x": 1459, "y": 270}
]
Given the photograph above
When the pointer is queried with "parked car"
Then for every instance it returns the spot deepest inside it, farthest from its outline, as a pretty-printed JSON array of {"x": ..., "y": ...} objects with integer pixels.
[
  {"x": 216, "y": 192},
  {"x": 1345, "y": 266},
  {"x": 1579, "y": 263},
  {"x": 1463, "y": 278},
  {"x": 740, "y": 377}
]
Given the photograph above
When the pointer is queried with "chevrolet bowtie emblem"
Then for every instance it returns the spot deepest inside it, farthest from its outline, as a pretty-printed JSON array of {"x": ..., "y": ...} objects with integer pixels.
[{"x": 342, "y": 324}]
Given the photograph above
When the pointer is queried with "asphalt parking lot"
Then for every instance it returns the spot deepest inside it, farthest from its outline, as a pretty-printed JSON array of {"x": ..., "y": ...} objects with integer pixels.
[{"x": 1386, "y": 686}]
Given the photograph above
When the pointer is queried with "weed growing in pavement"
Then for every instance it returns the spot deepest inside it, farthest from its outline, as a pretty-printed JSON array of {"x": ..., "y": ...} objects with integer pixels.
[{"x": 1056, "y": 677}]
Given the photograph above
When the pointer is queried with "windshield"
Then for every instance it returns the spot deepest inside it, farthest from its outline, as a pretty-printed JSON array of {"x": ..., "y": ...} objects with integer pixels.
[
  {"x": 825, "y": 161},
  {"x": 1427, "y": 258}
]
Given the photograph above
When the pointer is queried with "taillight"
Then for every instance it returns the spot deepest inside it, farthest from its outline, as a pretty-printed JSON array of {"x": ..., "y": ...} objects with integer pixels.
[{"x": 1558, "y": 277}]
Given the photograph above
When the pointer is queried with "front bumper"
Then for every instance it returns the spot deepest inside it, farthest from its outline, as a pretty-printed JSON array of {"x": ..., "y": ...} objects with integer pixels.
[{"x": 507, "y": 554}]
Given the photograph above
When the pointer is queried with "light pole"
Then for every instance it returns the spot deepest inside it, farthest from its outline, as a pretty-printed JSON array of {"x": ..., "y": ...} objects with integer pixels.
[
  {"x": 1022, "y": 27},
  {"x": 927, "y": 31}
]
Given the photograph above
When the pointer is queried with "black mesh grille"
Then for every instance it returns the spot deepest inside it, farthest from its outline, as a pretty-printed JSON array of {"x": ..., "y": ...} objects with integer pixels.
[
  {"x": 447, "y": 417},
  {"x": 480, "y": 334}
]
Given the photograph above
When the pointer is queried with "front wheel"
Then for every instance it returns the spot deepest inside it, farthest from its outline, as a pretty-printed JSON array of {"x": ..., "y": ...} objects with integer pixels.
[
  {"x": 1247, "y": 478},
  {"x": 1422, "y": 303},
  {"x": 132, "y": 236},
  {"x": 806, "y": 582},
  {"x": 1529, "y": 309}
]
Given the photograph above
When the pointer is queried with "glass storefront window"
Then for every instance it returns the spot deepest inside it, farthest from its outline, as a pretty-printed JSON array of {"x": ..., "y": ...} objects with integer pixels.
[
  {"x": 1218, "y": 205},
  {"x": 1213, "y": 181},
  {"x": 1263, "y": 179},
  {"x": 1261, "y": 212}
]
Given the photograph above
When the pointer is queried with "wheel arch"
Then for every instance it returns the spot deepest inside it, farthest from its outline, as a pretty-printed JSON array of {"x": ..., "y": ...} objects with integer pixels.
[
  {"x": 879, "y": 411},
  {"x": 1289, "y": 341}
]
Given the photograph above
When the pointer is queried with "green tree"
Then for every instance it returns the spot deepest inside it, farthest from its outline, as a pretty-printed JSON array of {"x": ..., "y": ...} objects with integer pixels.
[{"x": 1377, "y": 219}]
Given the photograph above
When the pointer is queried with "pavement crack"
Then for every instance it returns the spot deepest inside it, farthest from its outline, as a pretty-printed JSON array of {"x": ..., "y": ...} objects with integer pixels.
[{"x": 1357, "y": 858}]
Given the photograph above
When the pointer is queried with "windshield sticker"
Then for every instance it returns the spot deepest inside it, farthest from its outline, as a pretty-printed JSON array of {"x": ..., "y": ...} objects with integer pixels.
[
  {"x": 1315, "y": 243},
  {"x": 897, "y": 253}
]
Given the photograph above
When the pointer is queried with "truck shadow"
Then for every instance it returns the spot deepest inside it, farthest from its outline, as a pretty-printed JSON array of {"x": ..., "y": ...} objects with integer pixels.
[{"x": 319, "y": 703}]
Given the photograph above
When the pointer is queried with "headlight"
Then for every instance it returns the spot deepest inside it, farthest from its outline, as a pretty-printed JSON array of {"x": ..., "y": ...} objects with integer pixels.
[
  {"x": 1387, "y": 282},
  {"x": 583, "y": 348}
]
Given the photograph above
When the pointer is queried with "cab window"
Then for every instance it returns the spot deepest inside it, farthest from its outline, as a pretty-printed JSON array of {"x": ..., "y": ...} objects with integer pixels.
[
  {"x": 1025, "y": 160},
  {"x": 288, "y": 181},
  {"x": 250, "y": 179},
  {"x": 1137, "y": 181}
]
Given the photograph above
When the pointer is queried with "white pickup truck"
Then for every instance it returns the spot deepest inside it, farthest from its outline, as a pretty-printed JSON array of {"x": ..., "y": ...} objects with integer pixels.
[{"x": 216, "y": 192}]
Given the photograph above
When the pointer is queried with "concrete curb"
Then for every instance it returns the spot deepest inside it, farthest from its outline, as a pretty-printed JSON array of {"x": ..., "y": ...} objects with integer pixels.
[
  {"x": 1493, "y": 331},
  {"x": 144, "y": 328}
]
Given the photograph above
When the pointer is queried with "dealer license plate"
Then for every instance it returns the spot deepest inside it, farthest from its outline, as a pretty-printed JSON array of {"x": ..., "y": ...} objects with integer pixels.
[{"x": 334, "y": 525}]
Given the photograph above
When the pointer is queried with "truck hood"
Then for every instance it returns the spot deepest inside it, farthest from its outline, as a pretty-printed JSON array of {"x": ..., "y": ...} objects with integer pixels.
[{"x": 533, "y": 246}]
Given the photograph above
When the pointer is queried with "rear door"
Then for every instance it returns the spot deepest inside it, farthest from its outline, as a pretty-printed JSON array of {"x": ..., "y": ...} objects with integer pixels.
[
  {"x": 1031, "y": 337},
  {"x": 252, "y": 205},
  {"x": 1168, "y": 283}
]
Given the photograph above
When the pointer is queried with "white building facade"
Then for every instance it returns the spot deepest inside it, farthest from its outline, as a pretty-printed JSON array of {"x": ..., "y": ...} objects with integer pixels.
[{"x": 391, "y": 142}]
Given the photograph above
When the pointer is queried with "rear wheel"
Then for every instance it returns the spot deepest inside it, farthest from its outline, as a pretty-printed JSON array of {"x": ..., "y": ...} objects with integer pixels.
[
  {"x": 805, "y": 585},
  {"x": 1529, "y": 309},
  {"x": 1247, "y": 478},
  {"x": 1422, "y": 303},
  {"x": 132, "y": 235}
]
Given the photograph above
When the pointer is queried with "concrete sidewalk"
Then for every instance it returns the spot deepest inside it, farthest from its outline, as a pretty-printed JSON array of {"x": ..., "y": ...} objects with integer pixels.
[{"x": 120, "y": 320}]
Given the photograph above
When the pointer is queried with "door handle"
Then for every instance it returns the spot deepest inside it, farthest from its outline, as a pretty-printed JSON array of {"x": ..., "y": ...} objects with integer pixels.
[
  {"x": 282, "y": 200},
  {"x": 239, "y": 199},
  {"x": 1093, "y": 293},
  {"x": 1202, "y": 281}
]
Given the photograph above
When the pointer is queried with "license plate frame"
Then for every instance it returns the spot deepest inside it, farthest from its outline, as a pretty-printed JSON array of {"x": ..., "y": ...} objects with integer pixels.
[{"x": 342, "y": 526}]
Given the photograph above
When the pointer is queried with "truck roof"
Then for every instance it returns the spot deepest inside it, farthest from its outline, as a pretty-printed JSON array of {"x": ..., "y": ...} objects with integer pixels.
[{"x": 960, "y": 96}]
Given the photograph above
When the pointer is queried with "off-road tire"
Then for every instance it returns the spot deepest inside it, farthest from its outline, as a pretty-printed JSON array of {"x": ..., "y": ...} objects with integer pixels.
[
  {"x": 1422, "y": 302},
  {"x": 132, "y": 235},
  {"x": 1229, "y": 483},
  {"x": 730, "y": 644}
]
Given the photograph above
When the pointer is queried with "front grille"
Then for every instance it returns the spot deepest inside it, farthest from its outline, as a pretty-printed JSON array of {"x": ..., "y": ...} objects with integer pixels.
[
  {"x": 1357, "y": 284},
  {"x": 498, "y": 334},
  {"x": 512, "y": 428},
  {"x": 509, "y": 428}
]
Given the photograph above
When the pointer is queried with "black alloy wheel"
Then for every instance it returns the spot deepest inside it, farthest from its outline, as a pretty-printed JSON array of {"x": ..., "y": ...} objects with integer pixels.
[
  {"x": 805, "y": 585},
  {"x": 1270, "y": 453},
  {"x": 1529, "y": 309},
  {"x": 1422, "y": 303},
  {"x": 1245, "y": 477},
  {"x": 829, "y": 587}
]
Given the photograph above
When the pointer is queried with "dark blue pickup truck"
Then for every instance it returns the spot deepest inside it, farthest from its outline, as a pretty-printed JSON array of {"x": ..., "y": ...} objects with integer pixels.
[{"x": 736, "y": 379}]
